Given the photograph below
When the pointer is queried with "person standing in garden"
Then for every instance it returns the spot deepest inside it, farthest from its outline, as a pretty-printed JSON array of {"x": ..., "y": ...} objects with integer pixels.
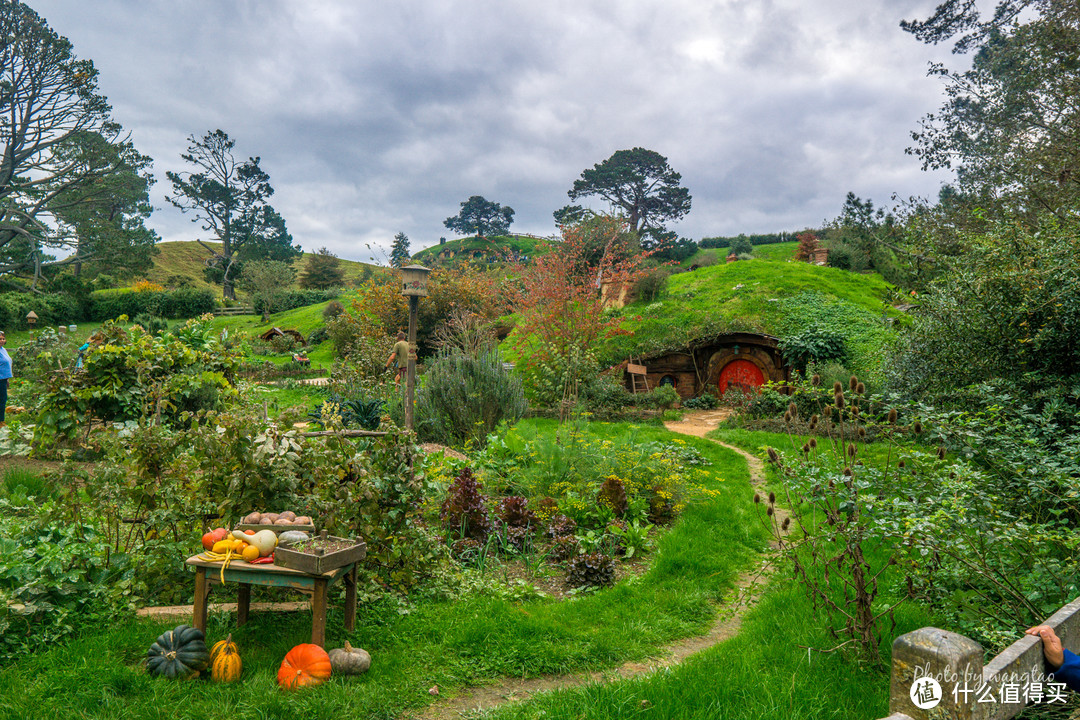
[
  {"x": 401, "y": 352},
  {"x": 5, "y": 375}
]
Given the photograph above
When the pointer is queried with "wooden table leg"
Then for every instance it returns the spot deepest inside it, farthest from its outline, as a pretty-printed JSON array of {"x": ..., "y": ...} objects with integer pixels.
[
  {"x": 318, "y": 613},
  {"x": 350, "y": 599},
  {"x": 202, "y": 591},
  {"x": 243, "y": 603}
]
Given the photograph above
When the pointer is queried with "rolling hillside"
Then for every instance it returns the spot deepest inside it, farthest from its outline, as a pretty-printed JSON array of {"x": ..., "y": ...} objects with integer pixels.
[
  {"x": 777, "y": 298},
  {"x": 178, "y": 261}
]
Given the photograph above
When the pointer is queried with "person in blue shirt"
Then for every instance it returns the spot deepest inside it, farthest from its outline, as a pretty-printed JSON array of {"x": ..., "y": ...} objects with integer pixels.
[
  {"x": 1063, "y": 663},
  {"x": 5, "y": 375}
]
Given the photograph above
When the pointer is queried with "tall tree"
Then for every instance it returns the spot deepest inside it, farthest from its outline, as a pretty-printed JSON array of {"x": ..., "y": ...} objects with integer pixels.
[
  {"x": 108, "y": 214},
  {"x": 268, "y": 282},
  {"x": 230, "y": 199},
  {"x": 482, "y": 218},
  {"x": 322, "y": 272},
  {"x": 50, "y": 108},
  {"x": 642, "y": 185},
  {"x": 399, "y": 251},
  {"x": 1010, "y": 126}
]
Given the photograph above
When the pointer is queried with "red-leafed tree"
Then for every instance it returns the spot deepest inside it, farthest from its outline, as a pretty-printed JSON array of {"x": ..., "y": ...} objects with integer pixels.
[
  {"x": 808, "y": 243},
  {"x": 560, "y": 299}
]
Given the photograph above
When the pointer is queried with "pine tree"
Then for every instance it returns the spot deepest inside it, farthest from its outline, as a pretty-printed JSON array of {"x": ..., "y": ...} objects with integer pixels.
[
  {"x": 323, "y": 271},
  {"x": 399, "y": 251}
]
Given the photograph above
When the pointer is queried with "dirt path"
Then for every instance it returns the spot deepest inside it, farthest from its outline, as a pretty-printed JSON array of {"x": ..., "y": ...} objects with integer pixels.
[{"x": 728, "y": 621}]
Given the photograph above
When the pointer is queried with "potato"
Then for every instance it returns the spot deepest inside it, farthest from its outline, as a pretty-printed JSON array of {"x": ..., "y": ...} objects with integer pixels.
[
  {"x": 252, "y": 518},
  {"x": 273, "y": 516},
  {"x": 283, "y": 521},
  {"x": 302, "y": 520},
  {"x": 287, "y": 515},
  {"x": 266, "y": 521}
]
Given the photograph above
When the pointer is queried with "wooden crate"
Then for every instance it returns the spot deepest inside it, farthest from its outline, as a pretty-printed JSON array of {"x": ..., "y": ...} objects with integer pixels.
[{"x": 285, "y": 556}]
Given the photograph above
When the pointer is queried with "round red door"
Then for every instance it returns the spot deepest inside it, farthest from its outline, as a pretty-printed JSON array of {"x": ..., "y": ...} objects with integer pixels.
[{"x": 742, "y": 375}]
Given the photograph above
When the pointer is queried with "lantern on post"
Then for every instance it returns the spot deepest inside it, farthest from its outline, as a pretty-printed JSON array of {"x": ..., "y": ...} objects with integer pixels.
[
  {"x": 413, "y": 286},
  {"x": 414, "y": 281},
  {"x": 31, "y": 318}
]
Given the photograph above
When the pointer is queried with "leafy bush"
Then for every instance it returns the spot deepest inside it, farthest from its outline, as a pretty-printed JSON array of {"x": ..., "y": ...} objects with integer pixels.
[
  {"x": 151, "y": 324},
  {"x": 652, "y": 286},
  {"x": 51, "y": 309},
  {"x": 338, "y": 411},
  {"x": 514, "y": 511},
  {"x": 661, "y": 398},
  {"x": 134, "y": 375},
  {"x": 742, "y": 246},
  {"x": 181, "y": 303},
  {"x": 332, "y": 310},
  {"x": 292, "y": 299},
  {"x": 464, "y": 512},
  {"x": 814, "y": 344},
  {"x": 704, "y": 401},
  {"x": 590, "y": 570},
  {"x": 464, "y": 398}
]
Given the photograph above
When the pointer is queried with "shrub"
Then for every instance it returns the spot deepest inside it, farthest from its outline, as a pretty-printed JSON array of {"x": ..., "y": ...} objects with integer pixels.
[
  {"x": 337, "y": 411},
  {"x": 151, "y": 324},
  {"x": 613, "y": 495},
  {"x": 742, "y": 246},
  {"x": 464, "y": 512},
  {"x": 175, "y": 304},
  {"x": 661, "y": 398},
  {"x": 590, "y": 570},
  {"x": 464, "y": 398},
  {"x": 318, "y": 335},
  {"x": 814, "y": 343},
  {"x": 564, "y": 547},
  {"x": 332, "y": 310},
  {"x": 515, "y": 512},
  {"x": 704, "y": 401},
  {"x": 651, "y": 287}
]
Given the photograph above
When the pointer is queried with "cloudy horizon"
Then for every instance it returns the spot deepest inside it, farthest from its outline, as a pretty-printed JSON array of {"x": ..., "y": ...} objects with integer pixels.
[{"x": 376, "y": 119}]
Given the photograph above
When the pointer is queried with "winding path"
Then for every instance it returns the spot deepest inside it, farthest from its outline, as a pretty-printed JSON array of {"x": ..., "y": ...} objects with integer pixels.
[{"x": 729, "y": 619}]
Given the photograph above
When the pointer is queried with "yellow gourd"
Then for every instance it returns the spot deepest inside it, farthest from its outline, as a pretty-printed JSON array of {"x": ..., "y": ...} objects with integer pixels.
[{"x": 225, "y": 664}]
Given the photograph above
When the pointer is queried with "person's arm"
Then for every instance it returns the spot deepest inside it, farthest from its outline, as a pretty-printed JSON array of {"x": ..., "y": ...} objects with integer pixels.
[
  {"x": 1064, "y": 664},
  {"x": 391, "y": 358}
]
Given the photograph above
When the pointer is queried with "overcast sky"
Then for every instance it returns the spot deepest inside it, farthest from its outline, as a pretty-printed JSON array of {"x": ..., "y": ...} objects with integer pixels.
[{"x": 378, "y": 117}]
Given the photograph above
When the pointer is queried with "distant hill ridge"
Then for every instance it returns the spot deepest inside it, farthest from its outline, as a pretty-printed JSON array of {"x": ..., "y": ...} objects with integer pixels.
[{"x": 183, "y": 262}]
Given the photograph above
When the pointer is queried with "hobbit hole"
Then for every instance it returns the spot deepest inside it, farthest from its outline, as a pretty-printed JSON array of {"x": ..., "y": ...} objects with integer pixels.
[{"x": 735, "y": 360}]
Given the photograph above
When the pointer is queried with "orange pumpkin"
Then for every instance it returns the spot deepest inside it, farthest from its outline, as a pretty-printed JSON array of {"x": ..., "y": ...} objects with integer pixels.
[
  {"x": 225, "y": 663},
  {"x": 304, "y": 665}
]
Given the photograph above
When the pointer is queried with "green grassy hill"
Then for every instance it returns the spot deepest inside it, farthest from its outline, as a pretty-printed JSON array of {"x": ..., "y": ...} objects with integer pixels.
[
  {"x": 766, "y": 296},
  {"x": 184, "y": 261},
  {"x": 478, "y": 249}
]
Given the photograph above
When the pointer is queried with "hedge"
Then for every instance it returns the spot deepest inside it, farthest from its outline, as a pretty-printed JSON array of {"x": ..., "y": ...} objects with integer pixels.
[
  {"x": 181, "y": 303},
  {"x": 723, "y": 242},
  {"x": 53, "y": 309}
]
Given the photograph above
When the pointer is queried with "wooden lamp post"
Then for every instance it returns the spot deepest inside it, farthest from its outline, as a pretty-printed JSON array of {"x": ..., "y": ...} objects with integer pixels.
[
  {"x": 413, "y": 286},
  {"x": 31, "y": 318}
]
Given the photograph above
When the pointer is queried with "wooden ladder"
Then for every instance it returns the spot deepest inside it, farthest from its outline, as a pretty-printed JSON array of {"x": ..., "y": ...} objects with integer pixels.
[{"x": 638, "y": 381}]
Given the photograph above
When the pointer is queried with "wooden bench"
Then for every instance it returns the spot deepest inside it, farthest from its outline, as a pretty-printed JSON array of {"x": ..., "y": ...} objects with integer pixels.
[{"x": 246, "y": 575}]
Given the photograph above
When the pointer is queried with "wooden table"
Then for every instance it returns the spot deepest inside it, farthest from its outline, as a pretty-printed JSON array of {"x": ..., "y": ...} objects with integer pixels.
[{"x": 246, "y": 575}]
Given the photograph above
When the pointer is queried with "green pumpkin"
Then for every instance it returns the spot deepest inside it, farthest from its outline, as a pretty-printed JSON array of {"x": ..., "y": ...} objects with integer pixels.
[{"x": 179, "y": 653}]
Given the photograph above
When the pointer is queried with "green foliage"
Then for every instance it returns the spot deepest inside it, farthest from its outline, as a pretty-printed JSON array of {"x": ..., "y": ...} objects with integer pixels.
[
  {"x": 182, "y": 303},
  {"x": 652, "y": 286},
  {"x": 642, "y": 185},
  {"x": 151, "y": 324},
  {"x": 463, "y": 398},
  {"x": 742, "y": 246},
  {"x": 134, "y": 375},
  {"x": 232, "y": 198},
  {"x": 815, "y": 344},
  {"x": 353, "y": 412},
  {"x": 399, "y": 251},
  {"x": 59, "y": 309},
  {"x": 661, "y": 398},
  {"x": 1007, "y": 307},
  {"x": 266, "y": 281},
  {"x": 590, "y": 570},
  {"x": 481, "y": 217},
  {"x": 755, "y": 240},
  {"x": 322, "y": 271},
  {"x": 704, "y": 401},
  {"x": 776, "y": 298}
]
